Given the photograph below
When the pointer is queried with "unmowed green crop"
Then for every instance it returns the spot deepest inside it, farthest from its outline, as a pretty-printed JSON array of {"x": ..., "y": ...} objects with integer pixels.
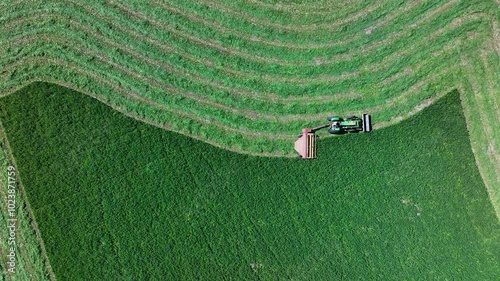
[{"x": 122, "y": 199}]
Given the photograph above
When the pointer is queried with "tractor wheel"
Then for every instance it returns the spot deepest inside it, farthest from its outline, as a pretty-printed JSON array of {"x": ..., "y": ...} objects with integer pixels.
[
  {"x": 335, "y": 132},
  {"x": 329, "y": 118},
  {"x": 351, "y": 117}
]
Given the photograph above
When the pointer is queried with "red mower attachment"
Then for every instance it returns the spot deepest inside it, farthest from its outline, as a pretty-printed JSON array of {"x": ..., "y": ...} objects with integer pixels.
[{"x": 305, "y": 145}]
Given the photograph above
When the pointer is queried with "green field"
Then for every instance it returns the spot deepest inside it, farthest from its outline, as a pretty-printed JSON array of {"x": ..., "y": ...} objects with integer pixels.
[
  {"x": 246, "y": 76},
  {"x": 239, "y": 79},
  {"x": 118, "y": 199}
]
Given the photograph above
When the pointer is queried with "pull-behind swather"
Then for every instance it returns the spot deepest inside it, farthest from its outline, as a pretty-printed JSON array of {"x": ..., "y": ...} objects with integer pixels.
[{"x": 305, "y": 145}]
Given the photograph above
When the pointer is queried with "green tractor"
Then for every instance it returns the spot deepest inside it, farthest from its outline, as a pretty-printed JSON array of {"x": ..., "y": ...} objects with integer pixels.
[
  {"x": 351, "y": 124},
  {"x": 305, "y": 144}
]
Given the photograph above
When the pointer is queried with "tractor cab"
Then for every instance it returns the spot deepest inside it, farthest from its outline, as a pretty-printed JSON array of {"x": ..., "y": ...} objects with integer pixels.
[{"x": 351, "y": 124}]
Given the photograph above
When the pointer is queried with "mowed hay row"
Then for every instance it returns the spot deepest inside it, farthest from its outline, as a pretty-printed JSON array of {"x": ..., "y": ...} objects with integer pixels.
[
  {"x": 367, "y": 78},
  {"x": 28, "y": 257},
  {"x": 213, "y": 95},
  {"x": 254, "y": 77},
  {"x": 243, "y": 77},
  {"x": 481, "y": 107},
  {"x": 73, "y": 52}
]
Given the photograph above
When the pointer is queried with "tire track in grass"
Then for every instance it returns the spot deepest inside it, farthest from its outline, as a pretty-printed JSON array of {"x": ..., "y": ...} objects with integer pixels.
[
  {"x": 29, "y": 212},
  {"x": 257, "y": 58},
  {"x": 493, "y": 46},
  {"x": 349, "y": 75},
  {"x": 252, "y": 115},
  {"x": 141, "y": 99},
  {"x": 151, "y": 81}
]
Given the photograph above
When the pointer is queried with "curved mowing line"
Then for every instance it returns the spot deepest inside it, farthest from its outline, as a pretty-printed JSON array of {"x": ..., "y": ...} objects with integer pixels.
[
  {"x": 182, "y": 113},
  {"x": 247, "y": 113},
  {"x": 297, "y": 8},
  {"x": 207, "y": 62},
  {"x": 277, "y": 43},
  {"x": 308, "y": 46},
  {"x": 235, "y": 91},
  {"x": 28, "y": 208},
  {"x": 250, "y": 114},
  {"x": 374, "y": 67},
  {"x": 30, "y": 61},
  {"x": 302, "y": 10},
  {"x": 291, "y": 27},
  {"x": 495, "y": 30},
  {"x": 254, "y": 117},
  {"x": 239, "y": 131},
  {"x": 490, "y": 183},
  {"x": 349, "y": 75},
  {"x": 457, "y": 22},
  {"x": 140, "y": 118},
  {"x": 489, "y": 73},
  {"x": 415, "y": 110},
  {"x": 3, "y": 248},
  {"x": 485, "y": 121},
  {"x": 125, "y": 92},
  {"x": 256, "y": 58}
]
